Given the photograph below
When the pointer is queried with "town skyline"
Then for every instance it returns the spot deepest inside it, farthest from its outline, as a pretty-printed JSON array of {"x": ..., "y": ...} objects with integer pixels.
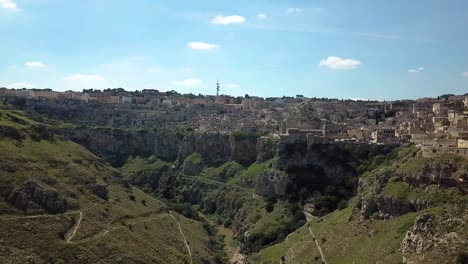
[
  {"x": 220, "y": 93},
  {"x": 322, "y": 49}
]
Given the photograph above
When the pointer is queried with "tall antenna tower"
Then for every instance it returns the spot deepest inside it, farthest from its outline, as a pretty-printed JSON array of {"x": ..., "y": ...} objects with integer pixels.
[{"x": 217, "y": 87}]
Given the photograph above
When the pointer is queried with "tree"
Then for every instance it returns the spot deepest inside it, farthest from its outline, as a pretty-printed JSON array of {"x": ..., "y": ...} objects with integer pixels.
[{"x": 446, "y": 96}]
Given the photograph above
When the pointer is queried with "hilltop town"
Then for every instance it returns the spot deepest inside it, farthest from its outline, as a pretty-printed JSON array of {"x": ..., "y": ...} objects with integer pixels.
[{"x": 440, "y": 124}]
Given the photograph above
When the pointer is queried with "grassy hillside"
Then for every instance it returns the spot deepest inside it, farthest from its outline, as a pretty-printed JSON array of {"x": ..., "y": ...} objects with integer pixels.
[
  {"x": 61, "y": 204},
  {"x": 408, "y": 208},
  {"x": 341, "y": 241}
]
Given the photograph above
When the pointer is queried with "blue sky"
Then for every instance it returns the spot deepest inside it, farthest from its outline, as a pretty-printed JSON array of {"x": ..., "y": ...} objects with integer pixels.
[{"x": 373, "y": 49}]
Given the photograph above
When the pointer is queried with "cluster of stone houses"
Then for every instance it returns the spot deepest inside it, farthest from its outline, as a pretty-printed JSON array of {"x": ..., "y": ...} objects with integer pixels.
[{"x": 438, "y": 125}]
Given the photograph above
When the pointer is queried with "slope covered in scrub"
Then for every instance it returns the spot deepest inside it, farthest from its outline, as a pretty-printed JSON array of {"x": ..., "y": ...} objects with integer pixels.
[{"x": 61, "y": 204}]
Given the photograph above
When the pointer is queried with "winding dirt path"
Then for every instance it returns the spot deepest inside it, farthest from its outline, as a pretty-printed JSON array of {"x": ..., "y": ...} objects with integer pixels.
[
  {"x": 38, "y": 216},
  {"x": 183, "y": 236},
  {"x": 76, "y": 228},
  {"x": 322, "y": 255}
]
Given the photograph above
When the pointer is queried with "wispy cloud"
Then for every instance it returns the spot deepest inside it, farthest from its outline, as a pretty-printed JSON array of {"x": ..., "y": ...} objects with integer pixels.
[
  {"x": 261, "y": 16},
  {"x": 293, "y": 10},
  {"x": 465, "y": 74},
  {"x": 418, "y": 70},
  {"x": 8, "y": 4},
  {"x": 189, "y": 83},
  {"x": 226, "y": 20},
  {"x": 34, "y": 64},
  {"x": 338, "y": 63},
  {"x": 334, "y": 31},
  {"x": 202, "y": 46}
]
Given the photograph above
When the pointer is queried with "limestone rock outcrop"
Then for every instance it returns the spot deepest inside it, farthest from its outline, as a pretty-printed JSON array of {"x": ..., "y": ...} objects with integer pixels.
[
  {"x": 444, "y": 173},
  {"x": 273, "y": 182},
  {"x": 431, "y": 234},
  {"x": 32, "y": 196},
  {"x": 267, "y": 148},
  {"x": 116, "y": 145}
]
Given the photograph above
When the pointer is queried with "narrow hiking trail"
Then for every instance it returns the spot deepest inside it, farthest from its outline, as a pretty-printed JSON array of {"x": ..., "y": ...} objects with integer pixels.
[
  {"x": 322, "y": 255},
  {"x": 38, "y": 216},
  {"x": 183, "y": 236},
  {"x": 76, "y": 228}
]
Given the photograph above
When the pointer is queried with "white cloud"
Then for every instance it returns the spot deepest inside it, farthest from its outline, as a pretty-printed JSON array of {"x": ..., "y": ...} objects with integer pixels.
[
  {"x": 8, "y": 4},
  {"x": 261, "y": 16},
  {"x": 20, "y": 85},
  {"x": 359, "y": 99},
  {"x": 294, "y": 10},
  {"x": 189, "y": 83},
  {"x": 226, "y": 20},
  {"x": 418, "y": 70},
  {"x": 84, "y": 78},
  {"x": 337, "y": 63},
  {"x": 465, "y": 74},
  {"x": 233, "y": 86},
  {"x": 34, "y": 64},
  {"x": 202, "y": 46}
]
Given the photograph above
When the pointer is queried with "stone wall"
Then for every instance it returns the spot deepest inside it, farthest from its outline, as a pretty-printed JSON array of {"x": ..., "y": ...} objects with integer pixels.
[{"x": 429, "y": 151}]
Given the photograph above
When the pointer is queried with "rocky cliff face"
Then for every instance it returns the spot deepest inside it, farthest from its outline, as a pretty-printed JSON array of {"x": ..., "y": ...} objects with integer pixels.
[
  {"x": 445, "y": 173},
  {"x": 273, "y": 182},
  {"x": 314, "y": 165},
  {"x": 214, "y": 148},
  {"x": 267, "y": 148},
  {"x": 443, "y": 235},
  {"x": 116, "y": 145},
  {"x": 434, "y": 189},
  {"x": 410, "y": 183},
  {"x": 371, "y": 200}
]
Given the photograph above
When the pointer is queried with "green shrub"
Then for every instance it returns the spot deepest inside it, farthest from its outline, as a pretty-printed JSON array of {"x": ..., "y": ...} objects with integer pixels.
[
  {"x": 227, "y": 223},
  {"x": 342, "y": 204},
  {"x": 241, "y": 135},
  {"x": 461, "y": 258},
  {"x": 269, "y": 207}
]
